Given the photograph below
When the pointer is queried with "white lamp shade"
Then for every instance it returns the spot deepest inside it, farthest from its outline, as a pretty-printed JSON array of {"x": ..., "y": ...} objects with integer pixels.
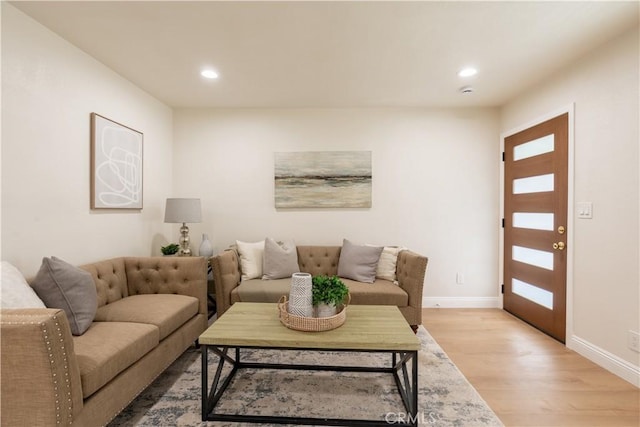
[{"x": 182, "y": 210}]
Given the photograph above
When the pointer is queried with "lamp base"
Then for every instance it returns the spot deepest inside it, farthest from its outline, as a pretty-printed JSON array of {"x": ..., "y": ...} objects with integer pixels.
[{"x": 184, "y": 241}]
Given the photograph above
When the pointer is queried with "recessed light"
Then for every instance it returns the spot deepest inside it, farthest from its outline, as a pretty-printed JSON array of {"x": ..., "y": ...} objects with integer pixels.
[
  {"x": 210, "y": 74},
  {"x": 467, "y": 72}
]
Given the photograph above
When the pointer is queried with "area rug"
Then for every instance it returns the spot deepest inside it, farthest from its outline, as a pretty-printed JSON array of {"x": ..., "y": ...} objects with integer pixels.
[{"x": 445, "y": 396}]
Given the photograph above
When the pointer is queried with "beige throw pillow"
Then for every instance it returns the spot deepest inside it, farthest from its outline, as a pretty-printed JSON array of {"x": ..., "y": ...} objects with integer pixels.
[
  {"x": 280, "y": 259},
  {"x": 387, "y": 264},
  {"x": 358, "y": 262},
  {"x": 250, "y": 259}
]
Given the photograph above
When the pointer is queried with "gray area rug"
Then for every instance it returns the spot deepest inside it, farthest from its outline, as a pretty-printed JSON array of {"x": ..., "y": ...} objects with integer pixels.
[{"x": 445, "y": 396}]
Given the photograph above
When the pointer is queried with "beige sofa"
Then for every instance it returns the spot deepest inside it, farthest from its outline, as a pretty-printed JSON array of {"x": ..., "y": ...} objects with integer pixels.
[
  {"x": 150, "y": 310},
  {"x": 323, "y": 260}
]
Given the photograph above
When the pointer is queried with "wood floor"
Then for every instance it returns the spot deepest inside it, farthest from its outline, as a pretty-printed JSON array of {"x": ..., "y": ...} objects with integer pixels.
[{"x": 527, "y": 378}]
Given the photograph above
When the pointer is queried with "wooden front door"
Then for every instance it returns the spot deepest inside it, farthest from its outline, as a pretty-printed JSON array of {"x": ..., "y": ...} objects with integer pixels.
[{"x": 535, "y": 225}]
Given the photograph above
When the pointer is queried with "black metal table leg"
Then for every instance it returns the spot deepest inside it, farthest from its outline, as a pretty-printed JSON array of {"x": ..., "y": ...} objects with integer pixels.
[
  {"x": 205, "y": 381},
  {"x": 414, "y": 375},
  {"x": 407, "y": 388}
]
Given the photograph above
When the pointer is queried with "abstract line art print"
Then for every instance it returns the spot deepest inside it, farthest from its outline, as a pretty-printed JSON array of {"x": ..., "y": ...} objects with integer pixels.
[
  {"x": 116, "y": 165},
  {"x": 323, "y": 179}
]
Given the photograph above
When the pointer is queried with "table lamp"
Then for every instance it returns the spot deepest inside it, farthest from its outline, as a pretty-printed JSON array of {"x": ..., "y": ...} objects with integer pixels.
[{"x": 181, "y": 210}]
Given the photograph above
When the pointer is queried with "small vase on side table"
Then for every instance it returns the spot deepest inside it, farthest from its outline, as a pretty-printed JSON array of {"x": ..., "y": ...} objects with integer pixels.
[{"x": 206, "y": 250}]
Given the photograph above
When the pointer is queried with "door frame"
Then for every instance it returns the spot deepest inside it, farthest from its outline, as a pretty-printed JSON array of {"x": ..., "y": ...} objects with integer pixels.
[{"x": 568, "y": 109}]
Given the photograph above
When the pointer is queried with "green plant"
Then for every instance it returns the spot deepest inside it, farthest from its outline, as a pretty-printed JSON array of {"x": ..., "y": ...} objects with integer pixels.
[
  {"x": 170, "y": 249},
  {"x": 328, "y": 290}
]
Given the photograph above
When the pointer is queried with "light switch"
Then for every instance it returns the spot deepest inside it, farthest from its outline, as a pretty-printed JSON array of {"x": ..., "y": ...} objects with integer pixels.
[{"x": 585, "y": 210}]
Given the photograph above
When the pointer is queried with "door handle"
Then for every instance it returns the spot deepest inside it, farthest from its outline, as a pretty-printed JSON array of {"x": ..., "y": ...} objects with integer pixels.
[{"x": 559, "y": 246}]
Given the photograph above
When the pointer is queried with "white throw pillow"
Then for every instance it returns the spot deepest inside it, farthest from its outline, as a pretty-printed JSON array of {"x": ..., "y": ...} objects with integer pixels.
[
  {"x": 387, "y": 263},
  {"x": 15, "y": 292},
  {"x": 250, "y": 259}
]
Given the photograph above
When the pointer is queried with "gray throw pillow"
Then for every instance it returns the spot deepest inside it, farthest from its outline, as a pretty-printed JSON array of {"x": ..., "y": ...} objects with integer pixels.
[
  {"x": 280, "y": 259},
  {"x": 61, "y": 285},
  {"x": 359, "y": 262}
]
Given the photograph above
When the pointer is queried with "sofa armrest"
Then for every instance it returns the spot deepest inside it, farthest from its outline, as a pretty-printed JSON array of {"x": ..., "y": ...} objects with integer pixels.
[
  {"x": 226, "y": 276},
  {"x": 168, "y": 275},
  {"x": 410, "y": 271},
  {"x": 40, "y": 374}
]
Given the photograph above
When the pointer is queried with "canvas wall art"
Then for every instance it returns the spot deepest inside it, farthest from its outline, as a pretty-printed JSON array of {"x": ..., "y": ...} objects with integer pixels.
[
  {"x": 323, "y": 179},
  {"x": 116, "y": 165}
]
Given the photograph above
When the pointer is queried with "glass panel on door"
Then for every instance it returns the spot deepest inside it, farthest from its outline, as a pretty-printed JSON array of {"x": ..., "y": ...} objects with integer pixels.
[
  {"x": 532, "y": 293},
  {"x": 534, "y": 148},
  {"x": 533, "y": 221},
  {"x": 533, "y": 184},
  {"x": 535, "y": 257}
]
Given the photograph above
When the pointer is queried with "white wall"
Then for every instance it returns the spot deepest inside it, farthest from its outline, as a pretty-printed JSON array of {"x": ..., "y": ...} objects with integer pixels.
[
  {"x": 434, "y": 184},
  {"x": 49, "y": 89},
  {"x": 606, "y": 288},
  {"x": 434, "y": 187}
]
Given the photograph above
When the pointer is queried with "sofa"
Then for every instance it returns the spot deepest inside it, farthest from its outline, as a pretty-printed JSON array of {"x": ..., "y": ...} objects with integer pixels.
[
  {"x": 149, "y": 311},
  {"x": 401, "y": 287}
]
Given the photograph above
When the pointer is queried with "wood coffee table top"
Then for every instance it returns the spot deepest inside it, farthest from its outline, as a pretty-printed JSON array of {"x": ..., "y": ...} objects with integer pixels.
[{"x": 367, "y": 327}]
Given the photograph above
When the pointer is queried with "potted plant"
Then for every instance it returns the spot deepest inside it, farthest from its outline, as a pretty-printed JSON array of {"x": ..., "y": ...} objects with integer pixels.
[
  {"x": 328, "y": 292},
  {"x": 170, "y": 249}
]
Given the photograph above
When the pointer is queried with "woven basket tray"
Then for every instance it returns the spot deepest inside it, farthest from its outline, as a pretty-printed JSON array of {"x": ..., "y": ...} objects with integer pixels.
[{"x": 310, "y": 324}]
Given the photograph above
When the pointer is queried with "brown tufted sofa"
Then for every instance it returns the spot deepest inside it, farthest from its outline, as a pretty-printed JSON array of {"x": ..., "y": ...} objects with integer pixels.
[
  {"x": 150, "y": 310},
  {"x": 323, "y": 260}
]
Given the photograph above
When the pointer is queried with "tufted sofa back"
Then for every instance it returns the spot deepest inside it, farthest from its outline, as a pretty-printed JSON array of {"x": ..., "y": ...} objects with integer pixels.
[
  {"x": 319, "y": 260},
  {"x": 110, "y": 278},
  {"x": 168, "y": 275},
  {"x": 120, "y": 277}
]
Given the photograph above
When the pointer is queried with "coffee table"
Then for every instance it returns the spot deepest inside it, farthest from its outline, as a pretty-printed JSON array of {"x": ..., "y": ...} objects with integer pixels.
[{"x": 368, "y": 328}]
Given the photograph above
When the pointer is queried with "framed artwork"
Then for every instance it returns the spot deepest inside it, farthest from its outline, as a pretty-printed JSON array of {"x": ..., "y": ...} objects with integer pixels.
[
  {"x": 116, "y": 165},
  {"x": 323, "y": 179}
]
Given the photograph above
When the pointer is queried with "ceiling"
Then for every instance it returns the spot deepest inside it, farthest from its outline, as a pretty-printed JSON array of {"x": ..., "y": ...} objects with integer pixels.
[{"x": 334, "y": 54}]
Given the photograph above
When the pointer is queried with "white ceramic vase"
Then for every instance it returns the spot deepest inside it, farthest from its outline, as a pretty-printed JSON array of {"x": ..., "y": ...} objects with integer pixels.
[
  {"x": 300, "y": 296},
  {"x": 206, "y": 250}
]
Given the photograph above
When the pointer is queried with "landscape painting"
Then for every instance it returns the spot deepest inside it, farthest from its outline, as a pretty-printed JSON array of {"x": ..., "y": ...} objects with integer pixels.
[{"x": 323, "y": 179}]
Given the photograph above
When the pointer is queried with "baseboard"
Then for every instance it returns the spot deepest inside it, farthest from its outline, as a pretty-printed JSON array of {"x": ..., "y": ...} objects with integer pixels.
[
  {"x": 461, "y": 302},
  {"x": 612, "y": 363}
]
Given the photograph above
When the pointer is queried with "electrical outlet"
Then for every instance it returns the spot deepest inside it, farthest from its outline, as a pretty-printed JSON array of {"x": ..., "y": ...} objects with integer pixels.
[
  {"x": 634, "y": 340},
  {"x": 460, "y": 278}
]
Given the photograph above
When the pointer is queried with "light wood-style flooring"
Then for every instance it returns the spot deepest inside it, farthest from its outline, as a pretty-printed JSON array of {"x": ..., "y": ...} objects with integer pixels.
[{"x": 528, "y": 378}]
